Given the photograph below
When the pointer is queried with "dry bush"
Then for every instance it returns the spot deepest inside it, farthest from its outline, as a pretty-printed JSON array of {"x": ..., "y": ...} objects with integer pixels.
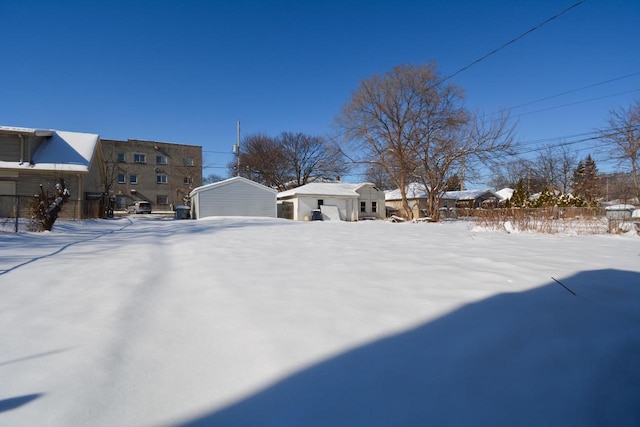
[{"x": 564, "y": 220}]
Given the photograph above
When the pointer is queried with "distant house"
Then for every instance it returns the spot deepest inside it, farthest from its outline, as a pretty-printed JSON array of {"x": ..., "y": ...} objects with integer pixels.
[
  {"x": 470, "y": 199},
  {"x": 416, "y": 194},
  {"x": 31, "y": 157},
  {"x": 236, "y": 196},
  {"x": 337, "y": 200}
]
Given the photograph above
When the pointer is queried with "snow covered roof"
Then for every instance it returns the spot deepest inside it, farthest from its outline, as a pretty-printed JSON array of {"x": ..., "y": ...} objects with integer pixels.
[
  {"x": 29, "y": 131},
  {"x": 227, "y": 182},
  {"x": 414, "y": 191},
  {"x": 468, "y": 194},
  {"x": 342, "y": 189},
  {"x": 505, "y": 193},
  {"x": 419, "y": 191},
  {"x": 621, "y": 207},
  {"x": 60, "y": 151}
]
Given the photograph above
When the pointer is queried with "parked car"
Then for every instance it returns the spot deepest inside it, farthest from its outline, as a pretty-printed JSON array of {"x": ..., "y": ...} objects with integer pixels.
[{"x": 140, "y": 207}]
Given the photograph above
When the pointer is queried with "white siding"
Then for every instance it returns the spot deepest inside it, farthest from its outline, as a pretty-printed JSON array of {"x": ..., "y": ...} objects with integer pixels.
[
  {"x": 308, "y": 203},
  {"x": 369, "y": 194},
  {"x": 235, "y": 197}
]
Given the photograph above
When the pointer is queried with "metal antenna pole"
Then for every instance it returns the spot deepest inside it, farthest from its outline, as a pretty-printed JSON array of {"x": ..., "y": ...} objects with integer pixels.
[{"x": 238, "y": 148}]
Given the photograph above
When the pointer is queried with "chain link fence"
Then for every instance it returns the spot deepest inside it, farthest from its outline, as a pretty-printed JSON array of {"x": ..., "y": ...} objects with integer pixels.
[{"x": 17, "y": 209}]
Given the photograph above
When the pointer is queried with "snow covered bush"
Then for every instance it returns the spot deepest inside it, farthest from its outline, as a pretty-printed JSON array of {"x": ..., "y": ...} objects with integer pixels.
[{"x": 46, "y": 205}]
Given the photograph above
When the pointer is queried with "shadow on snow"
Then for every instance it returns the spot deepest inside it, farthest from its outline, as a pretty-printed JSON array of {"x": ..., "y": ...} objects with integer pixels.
[
  {"x": 16, "y": 402},
  {"x": 541, "y": 357}
]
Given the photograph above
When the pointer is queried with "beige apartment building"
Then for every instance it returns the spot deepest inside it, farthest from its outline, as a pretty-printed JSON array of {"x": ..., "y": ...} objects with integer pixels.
[{"x": 161, "y": 173}]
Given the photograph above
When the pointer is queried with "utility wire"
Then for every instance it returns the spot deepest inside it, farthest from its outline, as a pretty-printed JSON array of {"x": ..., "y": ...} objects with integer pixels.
[
  {"x": 568, "y": 92},
  {"x": 482, "y": 58},
  {"x": 466, "y": 67}
]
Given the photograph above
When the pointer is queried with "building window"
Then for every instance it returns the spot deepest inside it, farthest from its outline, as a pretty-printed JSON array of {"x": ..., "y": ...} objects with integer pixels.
[
  {"x": 374, "y": 207},
  {"x": 320, "y": 203},
  {"x": 161, "y": 160},
  {"x": 363, "y": 206},
  {"x": 133, "y": 179},
  {"x": 121, "y": 157},
  {"x": 161, "y": 179},
  {"x": 121, "y": 178},
  {"x": 188, "y": 161},
  {"x": 162, "y": 199},
  {"x": 139, "y": 158},
  {"x": 187, "y": 180}
]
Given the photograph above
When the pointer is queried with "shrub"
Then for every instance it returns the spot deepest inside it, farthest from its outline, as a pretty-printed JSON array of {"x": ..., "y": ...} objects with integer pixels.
[{"x": 46, "y": 206}]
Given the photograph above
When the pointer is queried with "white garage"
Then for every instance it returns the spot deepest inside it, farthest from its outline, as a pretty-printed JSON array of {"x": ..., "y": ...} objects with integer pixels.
[{"x": 233, "y": 197}]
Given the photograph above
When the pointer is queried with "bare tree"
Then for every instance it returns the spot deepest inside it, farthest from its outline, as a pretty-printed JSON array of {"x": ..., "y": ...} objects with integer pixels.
[
  {"x": 211, "y": 178},
  {"x": 111, "y": 169},
  {"x": 568, "y": 161},
  {"x": 446, "y": 152},
  {"x": 418, "y": 129},
  {"x": 554, "y": 167},
  {"x": 376, "y": 174},
  {"x": 384, "y": 115},
  {"x": 290, "y": 160},
  {"x": 310, "y": 157},
  {"x": 508, "y": 174},
  {"x": 264, "y": 160},
  {"x": 623, "y": 135}
]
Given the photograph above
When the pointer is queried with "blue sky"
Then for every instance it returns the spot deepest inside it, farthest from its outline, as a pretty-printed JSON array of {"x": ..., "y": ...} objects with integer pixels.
[{"x": 187, "y": 71}]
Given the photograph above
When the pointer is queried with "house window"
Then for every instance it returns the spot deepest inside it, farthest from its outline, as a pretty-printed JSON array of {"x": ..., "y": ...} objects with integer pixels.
[
  {"x": 162, "y": 199},
  {"x": 187, "y": 180},
  {"x": 161, "y": 160},
  {"x": 161, "y": 179},
  {"x": 121, "y": 178},
  {"x": 121, "y": 157},
  {"x": 133, "y": 179},
  {"x": 139, "y": 158},
  {"x": 374, "y": 207},
  {"x": 188, "y": 161},
  {"x": 320, "y": 203},
  {"x": 363, "y": 206}
]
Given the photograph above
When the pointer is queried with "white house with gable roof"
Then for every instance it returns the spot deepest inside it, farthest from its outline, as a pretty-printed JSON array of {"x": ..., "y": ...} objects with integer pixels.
[{"x": 336, "y": 200}]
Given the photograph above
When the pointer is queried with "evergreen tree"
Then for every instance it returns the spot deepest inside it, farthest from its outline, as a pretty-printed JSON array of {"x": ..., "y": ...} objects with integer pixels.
[
  {"x": 585, "y": 180},
  {"x": 520, "y": 197},
  {"x": 545, "y": 199}
]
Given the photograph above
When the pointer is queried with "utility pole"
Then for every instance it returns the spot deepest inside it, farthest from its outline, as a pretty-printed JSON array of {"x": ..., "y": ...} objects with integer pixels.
[{"x": 236, "y": 150}]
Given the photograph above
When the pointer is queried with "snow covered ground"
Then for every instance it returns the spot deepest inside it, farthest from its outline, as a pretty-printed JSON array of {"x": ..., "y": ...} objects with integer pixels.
[{"x": 246, "y": 321}]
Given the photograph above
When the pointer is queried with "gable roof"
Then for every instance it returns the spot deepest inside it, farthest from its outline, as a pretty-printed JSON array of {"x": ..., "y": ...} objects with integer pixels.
[
  {"x": 414, "y": 190},
  {"x": 59, "y": 151},
  {"x": 469, "y": 194},
  {"x": 230, "y": 181},
  {"x": 505, "y": 193},
  {"x": 68, "y": 151},
  {"x": 338, "y": 189}
]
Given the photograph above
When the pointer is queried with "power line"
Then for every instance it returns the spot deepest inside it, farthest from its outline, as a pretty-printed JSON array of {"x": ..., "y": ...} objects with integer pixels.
[
  {"x": 577, "y": 102},
  {"x": 482, "y": 58},
  {"x": 335, "y": 137},
  {"x": 546, "y": 98}
]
